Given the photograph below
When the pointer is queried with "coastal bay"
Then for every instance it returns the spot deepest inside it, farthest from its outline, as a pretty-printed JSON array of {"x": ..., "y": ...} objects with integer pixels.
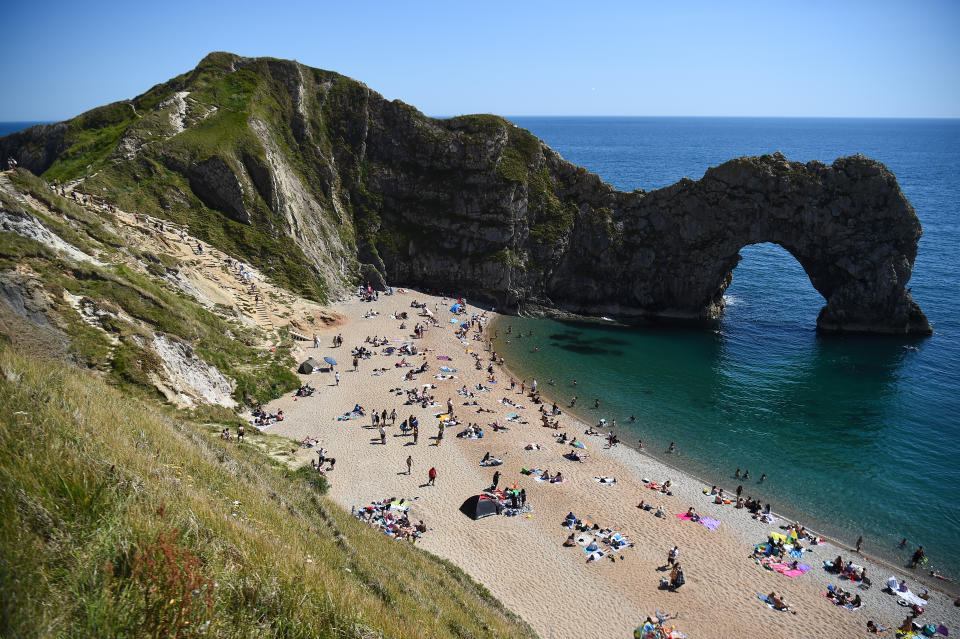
[{"x": 520, "y": 559}]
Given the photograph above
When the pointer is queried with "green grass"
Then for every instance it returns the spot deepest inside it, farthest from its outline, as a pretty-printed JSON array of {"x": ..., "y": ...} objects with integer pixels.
[
  {"x": 118, "y": 518},
  {"x": 91, "y": 138}
]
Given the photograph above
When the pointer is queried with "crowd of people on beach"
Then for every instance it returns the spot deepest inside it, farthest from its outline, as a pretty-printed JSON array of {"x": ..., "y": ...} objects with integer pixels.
[
  {"x": 519, "y": 397},
  {"x": 391, "y": 516}
]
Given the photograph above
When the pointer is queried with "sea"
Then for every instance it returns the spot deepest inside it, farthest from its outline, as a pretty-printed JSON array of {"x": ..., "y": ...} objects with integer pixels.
[{"x": 857, "y": 435}]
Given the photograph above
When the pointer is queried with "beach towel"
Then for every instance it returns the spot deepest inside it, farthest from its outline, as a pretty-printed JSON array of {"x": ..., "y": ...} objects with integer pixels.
[
  {"x": 763, "y": 598},
  {"x": 447, "y": 369},
  {"x": 685, "y": 516},
  {"x": 709, "y": 522},
  {"x": 596, "y": 556},
  {"x": 443, "y": 357},
  {"x": 906, "y": 596},
  {"x": 606, "y": 481},
  {"x": 796, "y": 554},
  {"x": 540, "y": 479},
  {"x": 784, "y": 569}
]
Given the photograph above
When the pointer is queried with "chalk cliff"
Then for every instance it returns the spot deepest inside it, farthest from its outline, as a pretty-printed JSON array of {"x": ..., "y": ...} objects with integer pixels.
[{"x": 322, "y": 182}]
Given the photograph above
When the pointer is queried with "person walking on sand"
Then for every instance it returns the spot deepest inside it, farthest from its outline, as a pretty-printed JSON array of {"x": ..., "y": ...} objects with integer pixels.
[
  {"x": 316, "y": 341},
  {"x": 356, "y": 363},
  {"x": 416, "y": 433},
  {"x": 409, "y": 464},
  {"x": 672, "y": 556},
  {"x": 496, "y": 479},
  {"x": 393, "y": 416},
  {"x": 336, "y": 378},
  {"x": 383, "y": 436},
  {"x": 432, "y": 476}
]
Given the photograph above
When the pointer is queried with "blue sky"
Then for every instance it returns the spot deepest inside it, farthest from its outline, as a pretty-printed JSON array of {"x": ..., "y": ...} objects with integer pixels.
[{"x": 726, "y": 58}]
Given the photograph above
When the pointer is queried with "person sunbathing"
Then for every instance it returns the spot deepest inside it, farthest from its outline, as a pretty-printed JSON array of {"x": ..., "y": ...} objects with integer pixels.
[
  {"x": 570, "y": 541},
  {"x": 557, "y": 478},
  {"x": 777, "y": 601},
  {"x": 874, "y": 628}
]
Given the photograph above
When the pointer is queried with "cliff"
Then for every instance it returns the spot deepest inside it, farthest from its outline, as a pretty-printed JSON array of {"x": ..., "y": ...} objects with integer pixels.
[{"x": 322, "y": 182}]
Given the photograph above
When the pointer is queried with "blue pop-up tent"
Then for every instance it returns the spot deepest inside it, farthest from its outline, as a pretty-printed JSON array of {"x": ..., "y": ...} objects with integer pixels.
[{"x": 455, "y": 308}]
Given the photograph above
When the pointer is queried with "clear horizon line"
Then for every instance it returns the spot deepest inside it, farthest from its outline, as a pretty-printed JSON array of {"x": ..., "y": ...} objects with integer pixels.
[
  {"x": 589, "y": 115},
  {"x": 769, "y": 117}
]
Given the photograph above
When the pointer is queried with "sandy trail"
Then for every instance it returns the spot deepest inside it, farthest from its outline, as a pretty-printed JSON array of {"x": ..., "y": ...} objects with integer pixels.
[{"x": 521, "y": 559}]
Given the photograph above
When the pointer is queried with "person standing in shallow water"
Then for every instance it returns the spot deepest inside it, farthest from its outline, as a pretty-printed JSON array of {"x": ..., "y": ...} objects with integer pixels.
[{"x": 673, "y": 448}]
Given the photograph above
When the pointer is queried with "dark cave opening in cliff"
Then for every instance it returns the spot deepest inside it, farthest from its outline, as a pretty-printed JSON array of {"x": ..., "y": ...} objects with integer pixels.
[{"x": 770, "y": 288}]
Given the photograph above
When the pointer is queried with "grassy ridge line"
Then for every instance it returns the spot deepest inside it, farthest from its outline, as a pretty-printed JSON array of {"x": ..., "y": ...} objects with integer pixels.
[{"x": 91, "y": 478}]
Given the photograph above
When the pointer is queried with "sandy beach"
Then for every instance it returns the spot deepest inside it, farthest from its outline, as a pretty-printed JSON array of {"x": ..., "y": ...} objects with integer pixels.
[{"x": 521, "y": 559}]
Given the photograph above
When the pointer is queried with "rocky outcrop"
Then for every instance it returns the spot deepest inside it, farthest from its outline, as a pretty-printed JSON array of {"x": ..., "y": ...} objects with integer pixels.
[
  {"x": 187, "y": 378},
  {"x": 370, "y": 190},
  {"x": 218, "y": 187}
]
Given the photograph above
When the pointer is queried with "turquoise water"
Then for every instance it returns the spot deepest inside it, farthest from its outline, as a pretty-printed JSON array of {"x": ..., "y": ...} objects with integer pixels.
[{"x": 857, "y": 435}]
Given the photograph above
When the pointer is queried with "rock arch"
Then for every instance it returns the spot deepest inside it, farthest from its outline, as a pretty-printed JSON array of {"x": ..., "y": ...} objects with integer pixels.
[{"x": 671, "y": 252}]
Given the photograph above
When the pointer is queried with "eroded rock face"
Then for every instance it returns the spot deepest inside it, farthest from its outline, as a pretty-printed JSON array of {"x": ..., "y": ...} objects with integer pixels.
[
  {"x": 218, "y": 187},
  {"x": 374, "y": 191}
]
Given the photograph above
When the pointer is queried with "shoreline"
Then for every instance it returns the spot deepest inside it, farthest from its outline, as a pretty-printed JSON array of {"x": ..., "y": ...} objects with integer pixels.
[
  {"x": 517, "y": 558},
  {"x": 951, "y": 589}
]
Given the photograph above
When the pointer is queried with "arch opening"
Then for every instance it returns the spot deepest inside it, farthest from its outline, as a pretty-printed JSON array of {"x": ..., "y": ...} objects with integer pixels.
[{"x": 770, "y": 286}]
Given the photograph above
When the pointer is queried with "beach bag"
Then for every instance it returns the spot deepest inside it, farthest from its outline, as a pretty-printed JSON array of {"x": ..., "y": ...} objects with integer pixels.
[
  {"x": 680, "y": 579},
  {"x": 929, "y": 630}
]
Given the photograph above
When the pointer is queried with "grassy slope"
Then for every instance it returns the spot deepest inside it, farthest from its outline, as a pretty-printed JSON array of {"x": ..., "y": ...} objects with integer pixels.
[{"x": 90, "y": 481}]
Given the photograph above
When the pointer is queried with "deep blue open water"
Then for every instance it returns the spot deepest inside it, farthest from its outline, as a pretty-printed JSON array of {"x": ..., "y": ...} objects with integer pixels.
[{"x": 856, "y": 434}]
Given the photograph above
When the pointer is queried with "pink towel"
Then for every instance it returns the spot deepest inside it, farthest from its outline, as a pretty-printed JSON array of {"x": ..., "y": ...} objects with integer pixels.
[{"x": 684, "y": 516}]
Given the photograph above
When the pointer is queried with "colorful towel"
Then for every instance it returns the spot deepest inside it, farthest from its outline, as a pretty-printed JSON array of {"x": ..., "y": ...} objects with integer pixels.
[
  {"x": 710, "y": 523},
  {"x": 684, "y": 516},
  {"x": 785, "y": 569}
]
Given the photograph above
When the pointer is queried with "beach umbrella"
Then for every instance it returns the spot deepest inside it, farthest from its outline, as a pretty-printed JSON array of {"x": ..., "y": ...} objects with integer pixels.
[
  {"x": 578, "y": 444},
  {"x": 330, "y": 360}
]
